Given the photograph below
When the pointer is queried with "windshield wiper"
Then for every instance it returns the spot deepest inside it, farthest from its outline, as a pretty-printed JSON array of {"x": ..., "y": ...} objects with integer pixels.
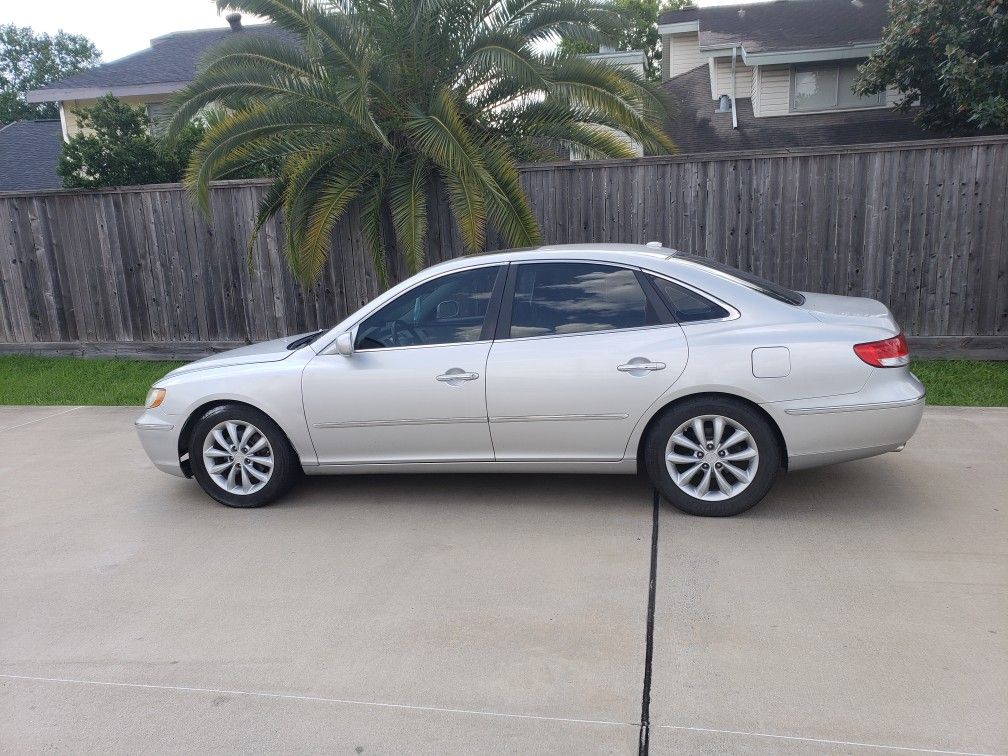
[{"x": 304, "y": 340}]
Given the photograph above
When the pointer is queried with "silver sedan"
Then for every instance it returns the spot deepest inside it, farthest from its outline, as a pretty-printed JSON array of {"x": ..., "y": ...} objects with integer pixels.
[{"x": 589, "y": 358}]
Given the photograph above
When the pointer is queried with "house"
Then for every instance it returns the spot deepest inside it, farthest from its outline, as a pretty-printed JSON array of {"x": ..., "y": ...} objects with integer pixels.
[
  {"x": 147, "y": 78},
  {"x": 632, "y": 60},
  {"x": 776, "y": 74},
  {"x": 29, "y": 150}
]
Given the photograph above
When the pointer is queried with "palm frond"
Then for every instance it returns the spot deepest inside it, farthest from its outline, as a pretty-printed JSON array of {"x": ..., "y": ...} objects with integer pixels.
[
  {"x": 380, "y": 102},
  {"x": 465, "y": 194},
  {"x": 407, "y": 199}
]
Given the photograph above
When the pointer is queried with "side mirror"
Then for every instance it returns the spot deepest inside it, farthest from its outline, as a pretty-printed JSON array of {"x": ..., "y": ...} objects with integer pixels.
[{"x": 344, "y": 343}]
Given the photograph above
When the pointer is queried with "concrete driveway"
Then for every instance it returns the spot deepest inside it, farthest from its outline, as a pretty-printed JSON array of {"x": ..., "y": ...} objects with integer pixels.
[{"x": 860, "y": 608}]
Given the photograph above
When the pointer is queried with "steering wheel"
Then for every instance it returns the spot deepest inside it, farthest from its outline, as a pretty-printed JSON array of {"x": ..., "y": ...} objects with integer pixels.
[{"x": 401, "y": 326}]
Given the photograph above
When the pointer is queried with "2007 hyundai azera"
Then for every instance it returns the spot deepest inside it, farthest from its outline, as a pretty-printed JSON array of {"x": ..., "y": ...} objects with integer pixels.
[{"x": 593, "y": 358}]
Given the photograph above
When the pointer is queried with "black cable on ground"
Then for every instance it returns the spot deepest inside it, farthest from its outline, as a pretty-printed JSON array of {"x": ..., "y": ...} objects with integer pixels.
[{"x": 649, "y": 637}]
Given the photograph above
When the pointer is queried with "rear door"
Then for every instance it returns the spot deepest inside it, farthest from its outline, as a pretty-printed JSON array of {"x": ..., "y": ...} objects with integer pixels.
[{"x": 583, "y": 349}]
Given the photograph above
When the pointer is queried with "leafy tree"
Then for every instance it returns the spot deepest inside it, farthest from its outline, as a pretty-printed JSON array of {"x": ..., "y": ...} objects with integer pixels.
[
  {"x": 389, "y": 103},
  {"x": 951, "y": 55},
  {"x": 115, "y": 148},
  {"x": 29, "y": 61},
  {"x": 640, "y": 33}
]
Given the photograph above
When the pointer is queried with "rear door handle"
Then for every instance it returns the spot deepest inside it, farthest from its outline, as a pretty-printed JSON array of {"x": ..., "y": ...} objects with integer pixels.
[
  {"x": 630, "y": 367},
  {"x": 455, "y": 374}
]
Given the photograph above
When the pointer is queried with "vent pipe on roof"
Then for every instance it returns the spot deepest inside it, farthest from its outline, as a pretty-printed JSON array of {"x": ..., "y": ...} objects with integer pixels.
[
  {"x": 235, "y": 20},
  {"x": 734, "y": 104}
]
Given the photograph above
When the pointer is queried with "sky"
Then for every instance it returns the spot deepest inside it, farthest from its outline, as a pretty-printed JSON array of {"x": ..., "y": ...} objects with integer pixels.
[{"x": 121, "y": 27}]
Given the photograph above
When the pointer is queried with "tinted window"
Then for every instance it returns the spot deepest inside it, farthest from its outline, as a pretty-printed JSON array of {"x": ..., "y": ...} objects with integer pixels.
[
  {"x": 575, "y": 298},
  {"x": 446, "y": 310},
  {"x": 686, "y": 305},
  {"x": 752, "y": 281}
]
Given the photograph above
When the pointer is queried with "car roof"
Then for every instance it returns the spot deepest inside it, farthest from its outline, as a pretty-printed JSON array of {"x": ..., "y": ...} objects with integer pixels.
[{"x": 630, "y": 254}]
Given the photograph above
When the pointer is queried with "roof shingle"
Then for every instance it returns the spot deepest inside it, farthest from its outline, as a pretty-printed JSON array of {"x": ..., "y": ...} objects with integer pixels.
[
  {"x": 787, "y": 25},
  {"x": 28, "y": 154},
  {"x": 171, "y": 59}
]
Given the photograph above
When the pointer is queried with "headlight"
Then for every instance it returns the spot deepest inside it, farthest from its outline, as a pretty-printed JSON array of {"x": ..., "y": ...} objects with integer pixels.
[{"x": 154, "y": 398}]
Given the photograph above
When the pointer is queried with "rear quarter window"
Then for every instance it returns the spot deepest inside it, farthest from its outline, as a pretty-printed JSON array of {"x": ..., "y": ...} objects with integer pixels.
[{"x": 688, "y": 306}]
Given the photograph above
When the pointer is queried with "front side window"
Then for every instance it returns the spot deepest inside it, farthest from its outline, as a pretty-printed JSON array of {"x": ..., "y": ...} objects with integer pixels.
[
  {"x": 828, "y": 86},
  {"x": 446, "y": 310},
  {"x": 562, "y": 298}
]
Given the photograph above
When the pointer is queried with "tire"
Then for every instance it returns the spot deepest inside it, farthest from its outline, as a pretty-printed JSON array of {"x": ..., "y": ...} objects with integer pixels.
[
  {"x": 748, "y": 467},
  {"x": 270, "y": 455}
]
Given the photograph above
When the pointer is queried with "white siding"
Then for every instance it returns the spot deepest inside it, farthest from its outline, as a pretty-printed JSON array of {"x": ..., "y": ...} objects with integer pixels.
[
  {"x": 721, "y": 80},
  {"x": 754, "y": 90},
  {"x": 681, "y": 53},
  {"x": 774, "y": 90}
]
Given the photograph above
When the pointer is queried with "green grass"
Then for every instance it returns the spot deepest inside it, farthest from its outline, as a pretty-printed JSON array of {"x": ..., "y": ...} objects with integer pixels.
[
  {"x": 71, "y": 380},
  {"x": 963, "y": 382}
]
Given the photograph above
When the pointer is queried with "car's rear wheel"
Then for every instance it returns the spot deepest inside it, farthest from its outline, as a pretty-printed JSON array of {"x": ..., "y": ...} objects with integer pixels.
[
  {"x": 713, "y": 457},
  {"x": 240, "y": 457}
]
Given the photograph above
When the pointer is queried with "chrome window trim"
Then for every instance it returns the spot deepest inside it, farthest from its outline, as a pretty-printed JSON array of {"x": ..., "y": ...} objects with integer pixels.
[
  {"x": 733, "y": 312},
  {"x": 588, "y": 333},
  {"x": 413, "y": 346}
]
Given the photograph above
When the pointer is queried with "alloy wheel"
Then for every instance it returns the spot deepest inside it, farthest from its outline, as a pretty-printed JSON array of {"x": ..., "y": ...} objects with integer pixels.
[
  {"x": 238, "y": 457},
  {"x": 712, "y": 457}
]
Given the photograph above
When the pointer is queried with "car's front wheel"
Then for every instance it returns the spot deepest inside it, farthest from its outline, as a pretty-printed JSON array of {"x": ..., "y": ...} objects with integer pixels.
[
  {"x": 713, "y": 457},
  {"x": 240, "y": 457}
]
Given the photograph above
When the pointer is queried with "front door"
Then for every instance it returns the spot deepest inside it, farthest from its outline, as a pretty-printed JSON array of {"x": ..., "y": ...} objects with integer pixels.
[
  {"x": 414, "y": 390},
  {"x": 585, "y": 354}
]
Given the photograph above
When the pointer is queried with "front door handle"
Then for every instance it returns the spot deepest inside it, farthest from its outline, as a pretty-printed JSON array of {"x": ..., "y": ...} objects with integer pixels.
[
  {"x": 456, "y": 374},
  {"x": 643, "y": 365}
]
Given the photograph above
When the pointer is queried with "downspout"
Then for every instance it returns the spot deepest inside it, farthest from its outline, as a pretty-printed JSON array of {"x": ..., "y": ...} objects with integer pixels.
[{"x": 734, "y": 107}]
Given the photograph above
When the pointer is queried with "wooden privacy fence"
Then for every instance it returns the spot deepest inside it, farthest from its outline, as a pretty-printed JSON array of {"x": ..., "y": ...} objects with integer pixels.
[{"x": 920, "y": 226}]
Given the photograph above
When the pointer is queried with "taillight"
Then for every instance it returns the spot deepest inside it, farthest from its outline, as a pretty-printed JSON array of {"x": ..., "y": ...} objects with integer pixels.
[{"x": 886, "y": 353}]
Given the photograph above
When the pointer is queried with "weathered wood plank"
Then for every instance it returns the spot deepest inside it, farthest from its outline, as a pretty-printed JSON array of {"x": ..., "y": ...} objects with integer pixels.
[{"x": 920, "y": 226}]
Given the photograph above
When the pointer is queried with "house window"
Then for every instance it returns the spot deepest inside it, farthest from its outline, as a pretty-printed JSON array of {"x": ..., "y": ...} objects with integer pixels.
[{"x": 827, "y": 86}]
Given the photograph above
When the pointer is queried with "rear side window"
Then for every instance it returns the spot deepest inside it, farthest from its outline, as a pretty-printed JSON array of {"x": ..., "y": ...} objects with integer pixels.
[
  {"x": 559, "y": 298},
  {"x": 688, "y": 306}
]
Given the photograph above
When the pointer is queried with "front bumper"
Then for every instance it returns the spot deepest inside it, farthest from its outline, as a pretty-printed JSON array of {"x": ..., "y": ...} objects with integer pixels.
[
  {"x": 881, "y": 418},
  {"x": 159, "y": 439}
]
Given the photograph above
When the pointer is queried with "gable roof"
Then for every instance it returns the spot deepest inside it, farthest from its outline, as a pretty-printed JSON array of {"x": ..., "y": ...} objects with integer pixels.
[
  {"x": 695, "y": 127},
  {"x": 28, "y": 154},
  {"x": 787, "y": 25},
  {"x": 166, "y": 66}
]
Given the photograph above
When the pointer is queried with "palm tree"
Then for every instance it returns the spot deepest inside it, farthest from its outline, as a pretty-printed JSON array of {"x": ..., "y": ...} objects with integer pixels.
[{"x": 387, "y": 102}]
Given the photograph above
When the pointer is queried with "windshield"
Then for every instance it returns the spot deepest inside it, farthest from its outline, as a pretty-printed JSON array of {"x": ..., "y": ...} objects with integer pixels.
[{"x": 761, "y": 285}]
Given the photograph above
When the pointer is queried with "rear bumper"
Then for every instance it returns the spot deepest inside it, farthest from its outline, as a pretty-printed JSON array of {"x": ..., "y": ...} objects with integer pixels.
[
  {"x": 880, "y": 419},
  {"x": 160, "y": 440}
]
